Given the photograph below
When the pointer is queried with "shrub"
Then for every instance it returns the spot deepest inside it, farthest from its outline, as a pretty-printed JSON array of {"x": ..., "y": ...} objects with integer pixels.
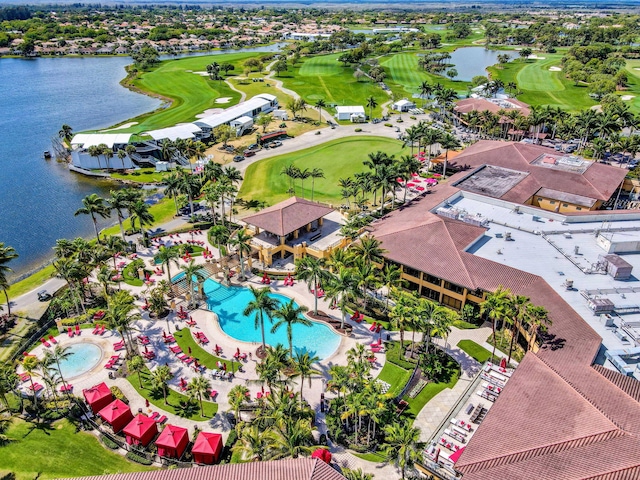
[
  {"x": 358, "y": 129},
  {"x": 395, "y": 355},
  {"x": 119, "y": 395},
  {"x": 323, "y": 440},
  {"x": 109, "y": 443},
  {"x": 388, "y": 125},
  {"x": 226, "y": 452},
  {"x": 134, "y": 457},
  {"x": 412, "y": 117}
]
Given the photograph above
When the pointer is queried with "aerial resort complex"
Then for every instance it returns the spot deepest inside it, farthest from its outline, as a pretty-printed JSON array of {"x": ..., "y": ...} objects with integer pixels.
[{"x": 387, "y": 242}]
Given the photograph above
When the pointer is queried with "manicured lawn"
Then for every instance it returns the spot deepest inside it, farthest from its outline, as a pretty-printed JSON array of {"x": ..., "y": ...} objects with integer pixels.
[
  {"x": 173, "y": 398},
  {"x": 504, "y": 340},
  {"x": 478, "y": 352},
  {"x": 323, "y": 77},
  {"x": 540, "y": 86},
  {"x": 185, "y": 339},
  {"x": 633, "y": 70},
  {"x": 369, "y": 457},
  {"x": 338, "y": 159},
  {"x": 162, "y": 212},
  {"x": 58, "y": 451},
  {"x": 29, "y": 283},
  {"x": 395, "y": 376},
  {"x": 144, "y": 175},
  {"x": 428, "y": 392},
  {"x": 252, "y": 88}
]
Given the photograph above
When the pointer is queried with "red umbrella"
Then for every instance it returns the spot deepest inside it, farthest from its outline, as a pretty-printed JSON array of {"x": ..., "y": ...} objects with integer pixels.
[
  {"x": 323, "y": 454},
  {"x": 503, "y": 363},
  {"x": 437, "y": 455}
]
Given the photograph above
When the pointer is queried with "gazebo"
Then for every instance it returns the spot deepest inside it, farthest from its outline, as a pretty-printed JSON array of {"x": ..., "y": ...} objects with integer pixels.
[
  {"x": 117, "y": 414},
  {"x": 98, "y": 397},
  {"x": 207, "y": 448},
  {"x": 140, "y": 430},
  {"x": 172, "y": 441}
]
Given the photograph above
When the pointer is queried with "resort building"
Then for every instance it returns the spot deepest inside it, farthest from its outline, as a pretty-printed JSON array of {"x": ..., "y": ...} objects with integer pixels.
[
  {"x": 294, "y": 228},
  {"x": 493, "y": 105},
  {"x": 571, "y": 408},
  {"x": 263, "y": 103},
  {"x": 81, "y": 146},
  {"x": 403, "y": 105},
  {"x": 354, "y": 113}
]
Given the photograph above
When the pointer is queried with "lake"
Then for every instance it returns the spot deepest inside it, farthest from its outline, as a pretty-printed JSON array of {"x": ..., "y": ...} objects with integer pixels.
[
  {"x": 473, "y": 61},
  {"x": 38, "y": 197}
]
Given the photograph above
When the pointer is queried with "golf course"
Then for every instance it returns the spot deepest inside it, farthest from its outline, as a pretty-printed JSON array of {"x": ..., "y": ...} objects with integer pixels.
[{"x": 338, "y": 159}]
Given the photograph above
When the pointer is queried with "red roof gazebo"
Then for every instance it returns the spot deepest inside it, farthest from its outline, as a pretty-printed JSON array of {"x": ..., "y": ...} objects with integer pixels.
[
  {"x": 98, "y": 397},
  {"x": 172, "y": 441},
  {"x": 207, "y": 448},
  {"x": 323, "y": 454},
  {"x": 140, "y": 430},
  {"x": 117, "y": 414}
]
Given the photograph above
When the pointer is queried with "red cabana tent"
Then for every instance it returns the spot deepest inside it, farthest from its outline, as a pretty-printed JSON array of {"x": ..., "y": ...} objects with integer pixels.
[
  {"x": 456, "y": 455},
  {"x": 140, "y": 430},
  {"x": 207, "y": 448},
  {"x": 117, "y": 414},
  {"x": 323, "y": 454},
  {"x": 172, "y": 441},
  {"x": 98, "y": 397}
]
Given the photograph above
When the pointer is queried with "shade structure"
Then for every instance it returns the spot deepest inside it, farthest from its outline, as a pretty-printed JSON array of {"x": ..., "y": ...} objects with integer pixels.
[
  {"x": 140, "y": 430},
  {"x": 323, "y": 454},
  {"x": 207, "y": 448},
  {"x": 172, "y": 441},
  {"x": 98, "y": 397},
  {"x": 456, "y": 455},
  {"x": 117, "y": 414}
]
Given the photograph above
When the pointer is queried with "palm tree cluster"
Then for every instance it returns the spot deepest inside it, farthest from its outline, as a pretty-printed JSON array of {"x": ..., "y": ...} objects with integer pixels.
[
  {"x": 294, "y": 173},
  {"x": 7, "y": 253},
  {"x": 426, "y": 136},
  {"x": 282, "y": 422},
  {"x": 515, "y": 313},
  {"x": 296, "y": 105}
]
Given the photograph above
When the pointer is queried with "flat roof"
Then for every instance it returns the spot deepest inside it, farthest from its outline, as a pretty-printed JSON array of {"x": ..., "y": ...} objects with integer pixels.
[
  {"x": 491, "y": 180},
  {"x": 350, "y": 109},
  {"x": 86, "y": 140},
  {"x": 183, "y": 131},
  {"x": 232, "y": 113}
]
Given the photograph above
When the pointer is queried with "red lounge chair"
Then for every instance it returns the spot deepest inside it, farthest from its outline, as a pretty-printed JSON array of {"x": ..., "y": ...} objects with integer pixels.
[
  {"x": 154, "y": 415},
  {"x": 213, "y": 394},
  {"x": 102, "y": 329},
  {"x": 36, "y": 387},
  {"x": 77, "y": 329},
  {"x": 70, "y": 332},
  {"x": 374, "y": 326},
  {"x": 52, "y": 339},
  {"x": 45, "y": 343},
  {"x": 96, "y": 330},
  {"x": 162, "y": 419},
  {"x": 24, "y": 376}
]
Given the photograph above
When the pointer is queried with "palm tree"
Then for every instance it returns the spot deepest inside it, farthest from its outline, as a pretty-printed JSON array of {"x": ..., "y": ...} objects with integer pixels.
[
  {"x": 30, "y": 365},
  {"x": 166, "y": 256},
  {"x": 66, "y": 133},
  {"x": 72, "y": 273},
  {"x": 59, "y": 353},
  {"x": 119, "y": 202},
  {"x": 121, "y": 156},
  {"x": 7, "y": 254},
  {"x": 136, "y": 365},
  {"x": 315, "y": 173},
  {"x": 391, "y": 278},
  {"x": 238, "y": 396},
  {"x": 295, "y": 438},
  {"x": 341, "y": 289},
  {"x": 320, "y": 104},
  {"x": 140, "y": 212},
  {"x": 358, "y": 474},
  {"x": 172, "y": 182},
  {"x": 198, "y": 387},
  {"x": 402, "y": 313},
  {"x": 310, "y": 270},
  {"x": 402, "y": 445},
  {"x": 254, "y": 445},
  {"x": 262, "y": 305},
  {"x": 220, "y": 235},
  {"x": 241, "y": 242},
  {"x": 303, "y": 175},
  {"x": 289, "y": 314},
  {"x": 292, "y": 172},
  {"x": 94, "y": 205},
  {"x": 448, "y": 142},
  {"x": 369, "y": 249},
  {"x": 121, "y": 312},
  {"x": 371, "y": 104},
  {"x": 303, "y": 363},
  {"x": 426, "y": 89},
  {"x": 160, "y": 378},
  {"x": 191, "y": 272},
  {"x": 538, "y": 320},
  {"x": 494, "y": 307}
]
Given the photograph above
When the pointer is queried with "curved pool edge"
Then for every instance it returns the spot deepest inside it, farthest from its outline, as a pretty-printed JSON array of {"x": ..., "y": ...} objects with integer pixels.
[{"x": 87, "y": 340}]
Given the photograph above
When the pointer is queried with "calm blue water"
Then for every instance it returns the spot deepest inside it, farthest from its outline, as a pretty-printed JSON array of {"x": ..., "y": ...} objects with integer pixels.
[
  {"x": 229, "y": 302},
  {"x": 38, "y": 198},
  {"x": 84, "y": 356},
  {"x": 472, "y": 61}
]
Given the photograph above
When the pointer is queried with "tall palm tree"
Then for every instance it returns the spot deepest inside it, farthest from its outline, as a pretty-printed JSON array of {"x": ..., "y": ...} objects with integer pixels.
[
  {"x": 369, "y": 249},
  {"x": 160, "y": 378},
  {"x": 402, "y": 445},
  {"x": 136, "y": 365},
  {"x": 172, "y": 188},
  {"x": 198, "y": 387},
  {"x": 192, "y": 272},
  {"x": 295, "y": 438},
  {"x": 140, "y": 212},
  {"x": 7, "y": 254},
  {"x": 495, "y": 308},
  {"x": 120, "y": 202},
  {"x": 31, "y": 364},
  {"x": 56, "y": 355},
  {"x": 166, "y": 256},
  {"x": 391, "y": 278},
  {"x": 303, "y": 175},
  {"x": 263, "y": 305},
  {"x": 121, "y": 312},
  {"x": 241, "y": 242},
  {"x": 448, "y": 142},
  {"x": 538, "y": 320},
  {"x": 341, "y": 289},
  {"x": 70, "y": 271},
  {"x": 311, "y": 270},
  {"x": 220, "y": 236},
  {"x": 303, "y": 363},
  {"x": 289, "y": 314},
  {"x": 237, "y": 397},
  {"x": 94, "y": 205},
  {"x": 121, "y": 154},
  {"x": 66, "y": 133},
  {"x": 254, "y": 445},
  {"x": 320, "y": 104},
  {"x": 371, "y": 104},
  {"x": 315, "y": 173},
  {"x": 426, "y": 89}
]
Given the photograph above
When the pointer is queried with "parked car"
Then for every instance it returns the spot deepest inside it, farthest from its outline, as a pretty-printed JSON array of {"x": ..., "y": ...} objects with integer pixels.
[
  {"x": 238, "y": 158},
  {"x": 43, "y": 295},
  {"x": 249, "y": 153},
  {"x": 275, "y": 144},
  {"x": 253, "y": 146}
]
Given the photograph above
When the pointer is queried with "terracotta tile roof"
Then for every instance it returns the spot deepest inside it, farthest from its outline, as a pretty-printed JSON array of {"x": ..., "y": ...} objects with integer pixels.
[
  {"x": 481, "y": 104},
  {"x": 289, "y": 469},
  {"x": 598, "y": 181},
  {"x": 287, "y": 216}
]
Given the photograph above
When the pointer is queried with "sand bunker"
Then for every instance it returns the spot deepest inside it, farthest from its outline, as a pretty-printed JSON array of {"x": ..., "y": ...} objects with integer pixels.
[
  {"x": 627, "y": 97},
  {"x": 535, "y": 57},
  {"x": 126, "y": 125},
  {"x": 555, "y": 69},
  {"x": 223, "y": 100},
  {"x": 202, "y": 74}
]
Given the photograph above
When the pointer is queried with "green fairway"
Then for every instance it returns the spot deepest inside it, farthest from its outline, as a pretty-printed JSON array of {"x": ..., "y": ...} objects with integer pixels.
[
  {"x": 190, "y": 92},
  {"x": 541, "y": 86},
  {"x": 405, "y": 76},
  {"x": 58, "y": 450},
  {"x": 633, "y": 69},
  {"x": 338, "y": 159},
  {"x": 323, "y": 77}
]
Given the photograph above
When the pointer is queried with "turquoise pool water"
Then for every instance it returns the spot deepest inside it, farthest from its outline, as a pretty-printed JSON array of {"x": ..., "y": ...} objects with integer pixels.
[
  {"x": 229, "y": 302},
  {"x": 84, "y": 356}
]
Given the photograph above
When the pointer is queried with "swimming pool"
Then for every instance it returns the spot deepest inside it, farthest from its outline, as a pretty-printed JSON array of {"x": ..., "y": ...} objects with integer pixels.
[
  {"x": 229, "y": 302},
  {"x": 84, "y": 356}
]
